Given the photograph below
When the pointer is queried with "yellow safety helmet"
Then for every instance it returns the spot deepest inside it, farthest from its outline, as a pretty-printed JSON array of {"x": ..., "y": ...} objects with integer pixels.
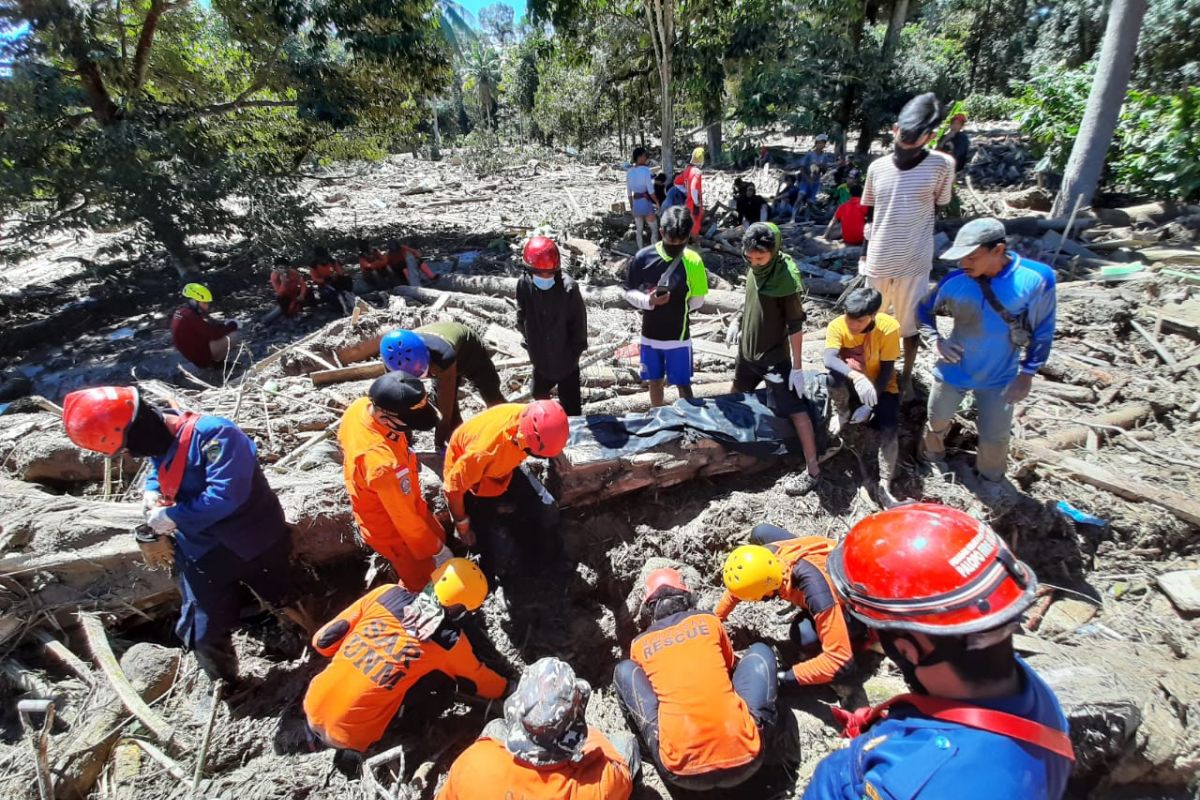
[
  {"x": 698, "y": 156},
  {"x": 752, "y": 572},
  {"x": 460, "y": 582},
  {"x": 198, "y": 292}
]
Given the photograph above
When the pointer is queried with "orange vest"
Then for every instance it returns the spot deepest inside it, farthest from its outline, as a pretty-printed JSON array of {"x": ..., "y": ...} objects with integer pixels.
[
  {"x": 373, "y": 260},
  {"x": 481, "y": 456},
  {"x": 702, "y": 724},
  {"x": 375, "y": 662},
  {"x": 487, "y": 771},
  {"x": 381, "y": 475},
  {"x": 323, "y": 272}
]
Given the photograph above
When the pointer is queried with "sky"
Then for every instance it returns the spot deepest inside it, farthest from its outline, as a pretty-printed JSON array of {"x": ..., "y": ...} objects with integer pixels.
[{"x": 473, "y": 6}]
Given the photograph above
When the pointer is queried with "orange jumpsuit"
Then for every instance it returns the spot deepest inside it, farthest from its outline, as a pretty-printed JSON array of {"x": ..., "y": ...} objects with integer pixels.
[
  {"x": 481, "y": 455},
  {"x": 487, "y": 771},
  {"x": 326, "y": 272},
  {"x": 381, "y": 476},
  {"x": 398, "y": 260},
  {"x": 376, "y": 661},
  {"x": 703, "y": 725},
  {"x": 806, "y": 584},
  {"x": 291, "y": 290},
  {"x": 373, "y": 261}
]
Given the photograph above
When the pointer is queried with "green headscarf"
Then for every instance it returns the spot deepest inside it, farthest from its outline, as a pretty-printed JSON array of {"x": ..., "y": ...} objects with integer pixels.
[{"x": 779, "y": 277}]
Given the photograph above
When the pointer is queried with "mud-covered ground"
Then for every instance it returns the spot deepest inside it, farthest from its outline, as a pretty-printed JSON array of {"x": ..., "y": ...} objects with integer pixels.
[{"x": 1124, "y": 658}]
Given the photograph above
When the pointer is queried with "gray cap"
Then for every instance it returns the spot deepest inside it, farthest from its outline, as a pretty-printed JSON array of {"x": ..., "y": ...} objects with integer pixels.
[
  {"x": 822, "y": 137},
  {"x": 986, "y": 230}
]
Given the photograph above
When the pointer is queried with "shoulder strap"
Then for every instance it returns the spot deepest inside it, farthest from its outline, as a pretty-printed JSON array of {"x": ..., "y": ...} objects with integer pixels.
[
  {"x": 985, "y": 719},
  {"x": 665, "y": 279},
  {"x": 989, "y": 294},
  {"x": 171, "y": 476}
]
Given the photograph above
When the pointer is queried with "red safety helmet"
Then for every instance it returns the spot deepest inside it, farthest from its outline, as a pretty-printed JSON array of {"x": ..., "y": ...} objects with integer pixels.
[
  {"x": 930, "y": 569},
  {"x": 96, "y": 419},
  {"x": 541, "y": 254},
  {"x": 544, "y": 427},
  {"x": 664, "y": 576}
]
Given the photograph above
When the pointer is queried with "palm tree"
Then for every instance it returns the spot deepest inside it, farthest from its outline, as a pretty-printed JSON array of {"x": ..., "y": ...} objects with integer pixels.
[
  {"x": 455, "y": 23},
  {"x": 482, "y": 68}
]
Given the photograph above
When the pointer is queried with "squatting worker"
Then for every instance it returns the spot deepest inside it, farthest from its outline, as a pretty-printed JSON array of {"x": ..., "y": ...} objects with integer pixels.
[
  {"x": 381, "y": 473},
  {"x": 206, "y": 491},
  {"x": 552, "y": 321},
  {"x": 702, "y": 712},
  {"x": 945, "y": 594},
  {"x": 1002, "y": 305},
  {"x": 391, "y": 647},
  {"x": 902, "y": 194},
  {"x": 543, "y": 747},
  {"x": 780, "y": 564},
  {"x": 772, "y": 341},
  {"x": 487, "y": 484},
  {"x": 666, "y": 282},
  {"x": 448, "y": 352},
  {"x": 199, "y": 338}
]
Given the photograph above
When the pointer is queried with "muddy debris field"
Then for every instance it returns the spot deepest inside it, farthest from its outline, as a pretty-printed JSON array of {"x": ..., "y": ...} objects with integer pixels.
[{"x": 1104, "y": 504}]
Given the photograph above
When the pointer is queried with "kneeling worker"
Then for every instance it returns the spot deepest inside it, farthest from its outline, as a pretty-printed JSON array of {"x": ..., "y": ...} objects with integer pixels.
[
  {"x": 205, "y": 491},
  {"x": 945, "y": 594},
  {"x": 382, "y": 476},
  {"x": 704, "y": 729},
  {"x": 391, "y": 646},
  {"x": 448, "y": 352},
  {"x": 780, "y": 564},
  {"x": 199, "y": 338},
  {"x": 544, "y": 748}
]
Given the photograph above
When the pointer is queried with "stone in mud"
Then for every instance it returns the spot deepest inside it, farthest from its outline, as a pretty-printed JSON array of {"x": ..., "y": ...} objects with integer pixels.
[{"x": 1183, "y": 588}]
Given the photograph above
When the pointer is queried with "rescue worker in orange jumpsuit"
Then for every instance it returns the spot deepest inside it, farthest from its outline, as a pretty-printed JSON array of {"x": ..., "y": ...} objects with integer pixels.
[
  {"x": 544, "y": 748},
  {"x": 391, "y": 647},
  {"x": 290, "y": 288},
  {"x": 492, "y": 495},
  {"x": 373, "y": 263},
  {"x": 705, "y": 730},
  {"x": 381, "y": 474},
  {"x": 330, "y": 281},
  {"x": 780, "y": 564},
  {"x": 406, "y": 261}
]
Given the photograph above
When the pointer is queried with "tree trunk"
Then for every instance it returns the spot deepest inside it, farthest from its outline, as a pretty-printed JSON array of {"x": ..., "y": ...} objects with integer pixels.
[
  {"x": 661, "y": 16},
  {"x": 435, "y": 148},
  {"x": 715, "y": 139},
  {"x": 1086, "y": 165},
  {"x": 850, "y": 90},
  {"x": 895, "y": 26}
]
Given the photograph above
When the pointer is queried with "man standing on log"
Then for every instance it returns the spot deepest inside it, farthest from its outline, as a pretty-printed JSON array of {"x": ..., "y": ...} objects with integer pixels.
[
  {"x": 1001, "y": 304},
  {"x": 667, "y": 281},
  {"x": 448, "y": 352},
  {"x": 493, "y": 497},
  {"x": 552, "y": 321},
  {"x": 945, "y": 595},
  {"x": 381, "y": 473},
  {"x": 772, "y": 341},
  {"x": 207, "y": 493},
  {"x": 198, "y": 338},
  {"x": 902, "y": 194}
]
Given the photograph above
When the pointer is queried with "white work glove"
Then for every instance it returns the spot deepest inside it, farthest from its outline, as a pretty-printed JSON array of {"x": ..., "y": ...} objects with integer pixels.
[
  {"x": 159, "y": 522},
  {"x": 733, "y": 333},
  {"x": 796, "y": 381},
  {"x": 149, "y": 502},
  {"x": 442, "y": 556},
  {"x": 865, "y": 389}
]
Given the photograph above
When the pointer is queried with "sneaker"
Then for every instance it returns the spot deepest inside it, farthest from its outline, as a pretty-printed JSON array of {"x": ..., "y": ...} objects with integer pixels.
[{"x": 801, "y": 484}]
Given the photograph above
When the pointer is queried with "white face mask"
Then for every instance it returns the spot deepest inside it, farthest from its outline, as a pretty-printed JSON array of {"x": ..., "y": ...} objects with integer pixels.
[{"x": 543, "y": 283}]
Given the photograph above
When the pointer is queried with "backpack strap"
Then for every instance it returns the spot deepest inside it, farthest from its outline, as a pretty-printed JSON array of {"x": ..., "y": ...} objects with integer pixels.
[
  {"x": 967, "y": 715},
  {"x": 170, "y": 476}
]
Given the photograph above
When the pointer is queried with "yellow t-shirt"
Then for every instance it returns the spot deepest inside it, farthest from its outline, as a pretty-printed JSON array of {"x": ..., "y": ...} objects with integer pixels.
[{"x": 868, "y": 349}]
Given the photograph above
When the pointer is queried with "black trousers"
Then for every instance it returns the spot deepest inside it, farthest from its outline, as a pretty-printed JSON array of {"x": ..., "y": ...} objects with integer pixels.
[
  {"x": 569, "y": 394},
  {"x": 517, "y": 532},
  {"x": 754, "y": 680}
]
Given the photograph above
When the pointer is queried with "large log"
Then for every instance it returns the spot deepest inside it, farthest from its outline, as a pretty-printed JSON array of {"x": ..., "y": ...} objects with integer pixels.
[
  {"x": 36, "y": 448},
  {"x": 1153, "y": 213},
  {"x": 1124, "y": 417}
]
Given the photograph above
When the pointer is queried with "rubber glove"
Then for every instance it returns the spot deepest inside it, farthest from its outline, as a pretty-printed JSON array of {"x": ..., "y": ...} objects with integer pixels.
[
  {"x": 442, "y": 556},
  {"x": 796, "y": 381},
  {"x": 865, "y": 389},
  {"x": 159, "y": 521}
]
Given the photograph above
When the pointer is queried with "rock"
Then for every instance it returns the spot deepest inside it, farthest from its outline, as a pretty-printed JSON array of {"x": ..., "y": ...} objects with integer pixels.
[
  {"x": 1183, "y": 588},
  {"x": 1034, "y": 198},
  {"x": 150, "y": 666},
  {"x": 1065, "y": 616},
  {"x": 319, "y": 455},
  {"x": 396, "y": 303}
]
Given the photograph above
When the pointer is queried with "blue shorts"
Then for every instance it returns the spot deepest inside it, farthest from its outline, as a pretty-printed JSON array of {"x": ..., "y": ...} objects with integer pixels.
[
  {"x": 642, "y": 207},
  {"x": 673, "y": 363}
]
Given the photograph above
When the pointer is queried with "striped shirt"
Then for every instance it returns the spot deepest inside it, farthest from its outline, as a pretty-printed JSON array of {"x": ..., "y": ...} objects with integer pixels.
[{"x": 902, "y": 229}]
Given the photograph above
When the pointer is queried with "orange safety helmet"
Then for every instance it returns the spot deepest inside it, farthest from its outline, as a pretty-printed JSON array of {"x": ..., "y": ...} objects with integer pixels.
[
  {"x": 541, "y": 254},
  {"x": 664, "y": 576},
  {"x": 930, "y": 569},
  {"x": 97, "y": 419},
  {"x": 544, "y": 427}
]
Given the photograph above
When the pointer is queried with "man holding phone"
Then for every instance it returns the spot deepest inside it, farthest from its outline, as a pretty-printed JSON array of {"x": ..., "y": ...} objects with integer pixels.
[{"x": 667, "y": 281}]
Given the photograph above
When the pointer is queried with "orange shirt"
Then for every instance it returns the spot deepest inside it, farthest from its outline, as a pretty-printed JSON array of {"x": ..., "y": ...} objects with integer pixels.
[
  {"x": 323, "y": 272},
  {"x": 806, "y": 584},
  {"x": 481, "y": 456},
  {"x": 487, "y": 771},
  {"x": 292, "y": 285},
  {"x": 375, "y": 662},
  {"x": 381, "y": 474},
  {"x": 702, "y": 724}
]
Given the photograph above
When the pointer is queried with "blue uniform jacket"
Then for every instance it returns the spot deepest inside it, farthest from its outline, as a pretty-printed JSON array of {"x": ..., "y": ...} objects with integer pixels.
[
  {"x": 911, "y": 756},
  {"x": 224, "y": 497},
  {"x": 990, "y": 359}
]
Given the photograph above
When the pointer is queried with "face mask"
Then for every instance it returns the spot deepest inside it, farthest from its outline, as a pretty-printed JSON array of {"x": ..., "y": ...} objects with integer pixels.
[
  {"x": 543, "y": 283},
  {"x": 673, "y": 250},
  {"x": 870, "y": 327},
  {"x": 148, "y": 435}
]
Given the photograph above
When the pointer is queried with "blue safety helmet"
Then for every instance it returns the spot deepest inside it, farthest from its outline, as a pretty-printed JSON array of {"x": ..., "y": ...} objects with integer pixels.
[{"x": 404, "y": 351}]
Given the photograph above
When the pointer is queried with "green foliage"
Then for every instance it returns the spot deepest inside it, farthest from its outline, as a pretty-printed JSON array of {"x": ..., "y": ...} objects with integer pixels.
[
  {"x": 989, "y": 107},
  {"x": 569, "y": 101},
  {"x": 1169, "y": 47},
  {"x": 481, "y": 70},
  {"x": 1051, "y": 108}
]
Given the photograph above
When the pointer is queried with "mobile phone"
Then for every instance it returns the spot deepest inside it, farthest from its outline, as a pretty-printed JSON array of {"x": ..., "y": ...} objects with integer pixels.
[{"x": 661, "y": 292}]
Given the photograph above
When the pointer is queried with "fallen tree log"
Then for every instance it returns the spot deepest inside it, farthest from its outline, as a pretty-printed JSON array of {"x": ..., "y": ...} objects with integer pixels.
[
  {"x": 36, "y": 448},
  {"x": 1124, "y": 417},
  {"x": 361, "y": 372},
  {"x": 1153, "y": 213}
]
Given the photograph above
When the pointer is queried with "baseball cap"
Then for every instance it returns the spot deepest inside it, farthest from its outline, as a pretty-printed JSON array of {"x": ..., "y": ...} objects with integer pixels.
[
  {"x": 986, "y": 230},
  {"x": 822, "y": 137},
  {"x": 402, "y": 395}
]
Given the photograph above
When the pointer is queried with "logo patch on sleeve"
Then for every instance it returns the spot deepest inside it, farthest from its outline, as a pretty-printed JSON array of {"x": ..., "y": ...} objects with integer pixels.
[
  {"x": 212, "y": 451},
  {"x": 870, "y": 792}
]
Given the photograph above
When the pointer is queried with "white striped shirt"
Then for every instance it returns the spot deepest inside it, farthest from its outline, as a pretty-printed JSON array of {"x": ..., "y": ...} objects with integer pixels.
[{"x": 902, "y": 229}]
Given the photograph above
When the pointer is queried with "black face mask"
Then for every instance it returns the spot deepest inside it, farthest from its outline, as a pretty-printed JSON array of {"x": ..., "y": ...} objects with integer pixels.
[
  {"x": 148, "y": 435},
  {"x": 673, "y": 250},
  {"x": 908, "y": 157},
  {"x": 942, "y": 651}
]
